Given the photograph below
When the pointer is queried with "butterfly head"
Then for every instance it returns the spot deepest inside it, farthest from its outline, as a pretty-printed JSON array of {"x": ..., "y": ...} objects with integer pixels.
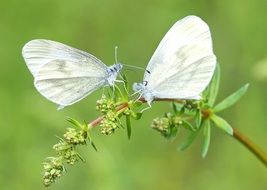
[
  {"x": 143, "y": 91},
  {"x": 113, "y": 72}
]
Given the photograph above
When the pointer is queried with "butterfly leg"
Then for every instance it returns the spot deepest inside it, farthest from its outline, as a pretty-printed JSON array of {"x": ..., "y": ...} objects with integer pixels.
[
  {"x": 124, "y": 86},
  {"x": 138, "y": 96},
  {"x": 135, "y": 93},
  {"x": 149, "y": 106},
  {"x": 113, "y": 91}
]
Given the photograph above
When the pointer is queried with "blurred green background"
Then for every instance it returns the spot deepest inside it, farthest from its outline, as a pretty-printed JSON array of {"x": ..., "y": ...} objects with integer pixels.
[{"x": 29, "y": 123}]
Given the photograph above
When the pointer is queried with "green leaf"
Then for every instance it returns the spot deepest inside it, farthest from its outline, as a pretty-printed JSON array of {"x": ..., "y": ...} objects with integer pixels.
[
  {"x": 125, "y": 81},
  {"x": 74, "y": 122},
  {"x": 214, "y": 86},
  {"x": 137, "y": 104},
  {"x": 79, "y": 156},
  {"x": 128, "y": 126},
  {"x": 117, "y": 92},
  {"x": 178, "y": 108},
  {"x": 173, "y": 132},
  {"x": 232, "y": 99},
  {"x": 222, "y": 124},
  {"x": 188, "y": 125},
  {"x": 125, "y": 86},
  {"x": 198, "y": 119},
  {"x": 93, "y": 145},
  {"x": 136, "y": 116},
  {"x": 188, "y": 141},
  {"x": 174, "y": 108},
  {"x": 206, "y": 143},
  {"x": 91, "y": 141}
]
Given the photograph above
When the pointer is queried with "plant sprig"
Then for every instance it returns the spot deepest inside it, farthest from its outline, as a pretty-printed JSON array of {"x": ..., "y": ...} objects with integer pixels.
[{"x": 191, "y": 115}]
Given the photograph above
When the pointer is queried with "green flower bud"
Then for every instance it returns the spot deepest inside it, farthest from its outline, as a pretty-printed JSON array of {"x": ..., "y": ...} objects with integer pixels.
[
  {"x": 104, "y": 105},
  {"x": 53, "y": 169},
  {"x": 127, "y": 112},
  {"x": 72, "y": 136},
  {"x": 108, "y": 125},
  {"x": 161, "y": 124},
  {"x": 71, "y": 156},
  {"x": 61, "y": 147}
]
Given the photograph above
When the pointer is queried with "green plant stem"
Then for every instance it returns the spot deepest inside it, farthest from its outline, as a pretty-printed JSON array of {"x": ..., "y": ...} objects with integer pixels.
[
  {"x": 97, "y": 121},
  {"x": 255, "y": 149},
  {"x": 162, "y": 100},
  {"x": 125, "y": 105}
]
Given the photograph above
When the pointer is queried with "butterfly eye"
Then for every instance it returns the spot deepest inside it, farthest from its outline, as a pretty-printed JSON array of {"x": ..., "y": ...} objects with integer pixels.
[{"x": 145, "y": 83}]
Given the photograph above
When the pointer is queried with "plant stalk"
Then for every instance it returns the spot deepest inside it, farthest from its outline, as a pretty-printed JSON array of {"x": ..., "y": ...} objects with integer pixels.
[
  {"x": 97, "y": 121},
  {"x": 255, "y": 149}
]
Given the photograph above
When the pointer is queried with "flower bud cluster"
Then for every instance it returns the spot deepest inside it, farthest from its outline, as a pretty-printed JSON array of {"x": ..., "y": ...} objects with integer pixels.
[
  {"x": 167, "y": 125},
  {"x": 110, "y": 121},
  {"x": 65, "y": 149},
  {"x": 53, "y": 169},
  {"x": 72, "y": 136},
  {"x": 191, "y": 104},
  {"x": 105, "y": 104},
  {"x": 161, "y": 124}
]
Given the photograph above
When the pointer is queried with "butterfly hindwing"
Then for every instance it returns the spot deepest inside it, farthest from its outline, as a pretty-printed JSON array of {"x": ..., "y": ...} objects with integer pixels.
[
  {"x": 189, "y": 30},
  {"x": 183, "y": 64},
  {"x": 186, "y": 75},
  {"x": 62, "y": 74},
  {"x": 64, "y": 82}
]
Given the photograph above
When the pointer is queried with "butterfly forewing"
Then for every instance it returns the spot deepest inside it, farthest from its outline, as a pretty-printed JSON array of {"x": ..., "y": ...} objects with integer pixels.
[
  {"x": 189, "y": 30},
  {"x": 63, "y": 74},
  {"x": 190, "y": 71},
  {"x": 39, "y": 52}
]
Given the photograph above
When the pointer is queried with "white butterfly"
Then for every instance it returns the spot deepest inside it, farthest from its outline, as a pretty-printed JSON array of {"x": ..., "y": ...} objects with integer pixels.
[
  {"x": 182, "y": 65},
  {"x": 65, "y": 75}
]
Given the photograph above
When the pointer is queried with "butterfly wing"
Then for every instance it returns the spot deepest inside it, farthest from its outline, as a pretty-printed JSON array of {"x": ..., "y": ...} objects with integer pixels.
[
  {"x": 191, "y": 69},
  {"x": 188, "y": 30},
  {"x": 38, "y": 52},
  {"x": 65, "y": 82},
  {"x": 63, "y": 74},
  {"x": 183, "y": 63}
]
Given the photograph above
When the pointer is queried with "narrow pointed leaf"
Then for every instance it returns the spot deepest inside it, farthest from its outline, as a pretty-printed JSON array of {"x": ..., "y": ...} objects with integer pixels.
[
  {"x": 137, "y": 104},
  {"x": 222, "y": 124},
  {"x": 214, "y": 86},
  {"x": 117, "y": 92},
  {"x": 125, "y": 81},
  {"x": 188, "y": 125},
  {"x": 125, "y": 86},
  {"x": 206, "y": 143},
  {"x": 174, "y": 108},
  {"x": 79, "y": 156},
  {"x": 198, "y": 119},
  {"x": 128, "y": 126},
  {"x": 91, "y": 141},
  {"x": 188, "y": 141},
  {"x": 74, "y": 122},
  {"x": 136, "y": 116},
  {"x": 232, "y": 99},
  {"x": 173, "y": 133},
  {"x": 93, "y": 145}
]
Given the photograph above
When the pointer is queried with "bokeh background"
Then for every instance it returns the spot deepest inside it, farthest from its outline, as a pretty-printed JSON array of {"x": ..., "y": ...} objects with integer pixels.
[{"x": 29, "y": 123}]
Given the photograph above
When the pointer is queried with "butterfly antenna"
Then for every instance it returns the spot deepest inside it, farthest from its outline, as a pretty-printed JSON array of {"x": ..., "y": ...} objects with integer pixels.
[
  {"x": 131, "y": 66},
  {"x": 116, "y": 54},
  {"x": 135, "y": 67}
]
